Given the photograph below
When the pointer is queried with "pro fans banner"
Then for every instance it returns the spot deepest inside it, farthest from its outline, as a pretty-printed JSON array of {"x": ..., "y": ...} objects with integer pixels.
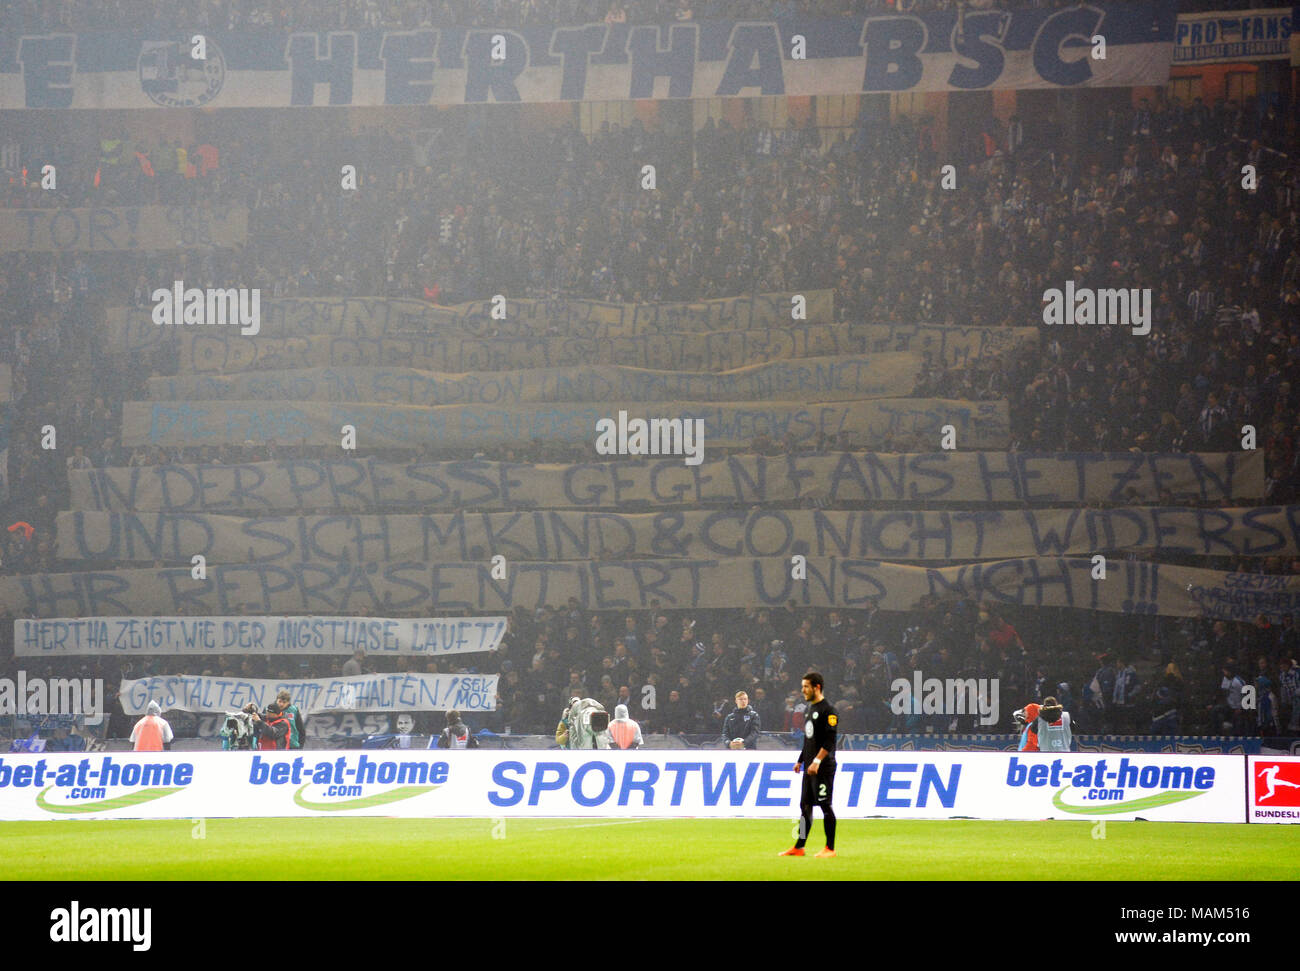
[
  {"x": 1242, "y": 36},
  {"x": 814, "y": 378},
  {"x": 427, "y": 637},
  {"x": 116, "y": 229},
  {"x": 367, "y": 692},
  {"x": 372, "y": 485},
  {"x": 1129, "y": 587},
  {"x": 878, "y": 423},
  {"x": 572, "y": 535},
  {"x": 374, "y": 317},
  {"x": 214, "y": 350},
  {"x": 1026, "y": 47}
]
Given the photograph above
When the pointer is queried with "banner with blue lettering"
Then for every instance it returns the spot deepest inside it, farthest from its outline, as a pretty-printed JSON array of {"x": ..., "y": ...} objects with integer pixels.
[
  {"x": 1234, "y": 35},
  {"x": 429, "y": 637},
  {"x": 1029, "y": 47},
  {"x": 366, "y": 692},
  {"x": 660, "y": 784}
]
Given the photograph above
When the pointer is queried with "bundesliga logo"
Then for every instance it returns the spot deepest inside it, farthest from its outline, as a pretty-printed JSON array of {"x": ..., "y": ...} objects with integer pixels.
[{"x": 1277, "y": 784}]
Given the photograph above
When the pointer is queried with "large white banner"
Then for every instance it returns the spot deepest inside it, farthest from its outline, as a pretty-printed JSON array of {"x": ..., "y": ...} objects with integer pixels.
[
  {"x": 367, "y": 692},
  {"x": 1024, "y": 47},
  {"x": 668, "y": 784},
  {"x": 427, "y": 636}
]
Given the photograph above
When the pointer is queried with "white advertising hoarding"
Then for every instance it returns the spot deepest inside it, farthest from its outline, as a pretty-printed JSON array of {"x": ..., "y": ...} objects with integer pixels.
[{"x": 666, "y": 784}]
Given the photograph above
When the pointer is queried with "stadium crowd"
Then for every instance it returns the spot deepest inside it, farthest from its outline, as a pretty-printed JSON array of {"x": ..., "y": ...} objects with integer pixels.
[{"x": 1155, "y": 199}]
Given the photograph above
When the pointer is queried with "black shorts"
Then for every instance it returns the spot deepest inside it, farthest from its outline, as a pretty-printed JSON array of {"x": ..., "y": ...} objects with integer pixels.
[{"x": 818, "y": 790}]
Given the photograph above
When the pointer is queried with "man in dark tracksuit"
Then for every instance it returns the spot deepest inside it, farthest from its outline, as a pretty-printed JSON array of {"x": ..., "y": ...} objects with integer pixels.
[
  {"x": 741, "y": 728},
  {"x": 817, "y": 762}
]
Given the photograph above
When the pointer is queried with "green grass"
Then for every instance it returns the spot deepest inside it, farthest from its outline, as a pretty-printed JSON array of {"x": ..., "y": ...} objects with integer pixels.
[{"x": 675, "y": 849}]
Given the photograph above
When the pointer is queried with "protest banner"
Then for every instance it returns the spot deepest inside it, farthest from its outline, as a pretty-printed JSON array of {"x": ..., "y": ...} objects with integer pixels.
[
  {"x": 878, "y": 423},
  {"x": 1130, "y": 587},
  {"x": 106, "y": 229},
  {"x": 373, "y": 485},
  {"x": 207, "y": 350},
  {"x": 572, "y": 535},
  {"x": 376, "y": 317},
  {"x": 915, "y": 51},
  {"x": 367, "y": 692},
  {"x": 244, "y": 634},
  {"x": 886, "y": 375}
]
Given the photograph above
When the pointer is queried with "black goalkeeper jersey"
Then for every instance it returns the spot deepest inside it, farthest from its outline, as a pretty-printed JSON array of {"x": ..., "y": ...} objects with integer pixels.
[{"x": 819, "y": 731}]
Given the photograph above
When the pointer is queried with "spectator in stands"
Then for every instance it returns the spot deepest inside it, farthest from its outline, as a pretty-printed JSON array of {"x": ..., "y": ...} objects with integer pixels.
[
  {"x": 1230, "y": 710},
  {"x": 1123, "y": 698},
  {"x": 676, "y": 719},
  {"x": 1167, "y": 702},
  {"x": 1290, "y": 686},
  {"x": 352, "y": 666}
]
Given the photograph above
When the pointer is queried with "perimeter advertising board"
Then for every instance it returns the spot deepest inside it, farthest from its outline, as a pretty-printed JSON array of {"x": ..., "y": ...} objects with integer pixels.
[{"x": 665, "y": 784}]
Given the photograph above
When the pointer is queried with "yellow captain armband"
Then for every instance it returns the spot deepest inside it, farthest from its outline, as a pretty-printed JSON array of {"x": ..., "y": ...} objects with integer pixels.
[{"x": 832, "y": 720}]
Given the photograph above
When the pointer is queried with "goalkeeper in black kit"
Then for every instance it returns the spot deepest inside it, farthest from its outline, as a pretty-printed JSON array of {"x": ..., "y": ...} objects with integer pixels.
[{"x": 817, "y": 764}]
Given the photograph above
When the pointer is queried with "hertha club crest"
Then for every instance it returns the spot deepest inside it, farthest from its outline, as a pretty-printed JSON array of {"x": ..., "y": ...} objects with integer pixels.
[{"x": 173, "y": 78}]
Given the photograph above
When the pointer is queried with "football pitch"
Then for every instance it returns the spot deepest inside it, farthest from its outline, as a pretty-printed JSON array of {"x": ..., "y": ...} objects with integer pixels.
[{"x": 638, "y": 849}]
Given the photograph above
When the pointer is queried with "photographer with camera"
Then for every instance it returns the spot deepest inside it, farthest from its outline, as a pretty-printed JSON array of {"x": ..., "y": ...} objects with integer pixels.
[
  {"x": 456, "y": 734},
  {"x": 272, "y": 728}
]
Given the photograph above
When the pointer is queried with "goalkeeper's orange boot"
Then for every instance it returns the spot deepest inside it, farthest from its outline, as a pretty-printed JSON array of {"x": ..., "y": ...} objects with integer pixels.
[
  {"x": 792, "y": 851},
  {"x": 824, "y": 853}
]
